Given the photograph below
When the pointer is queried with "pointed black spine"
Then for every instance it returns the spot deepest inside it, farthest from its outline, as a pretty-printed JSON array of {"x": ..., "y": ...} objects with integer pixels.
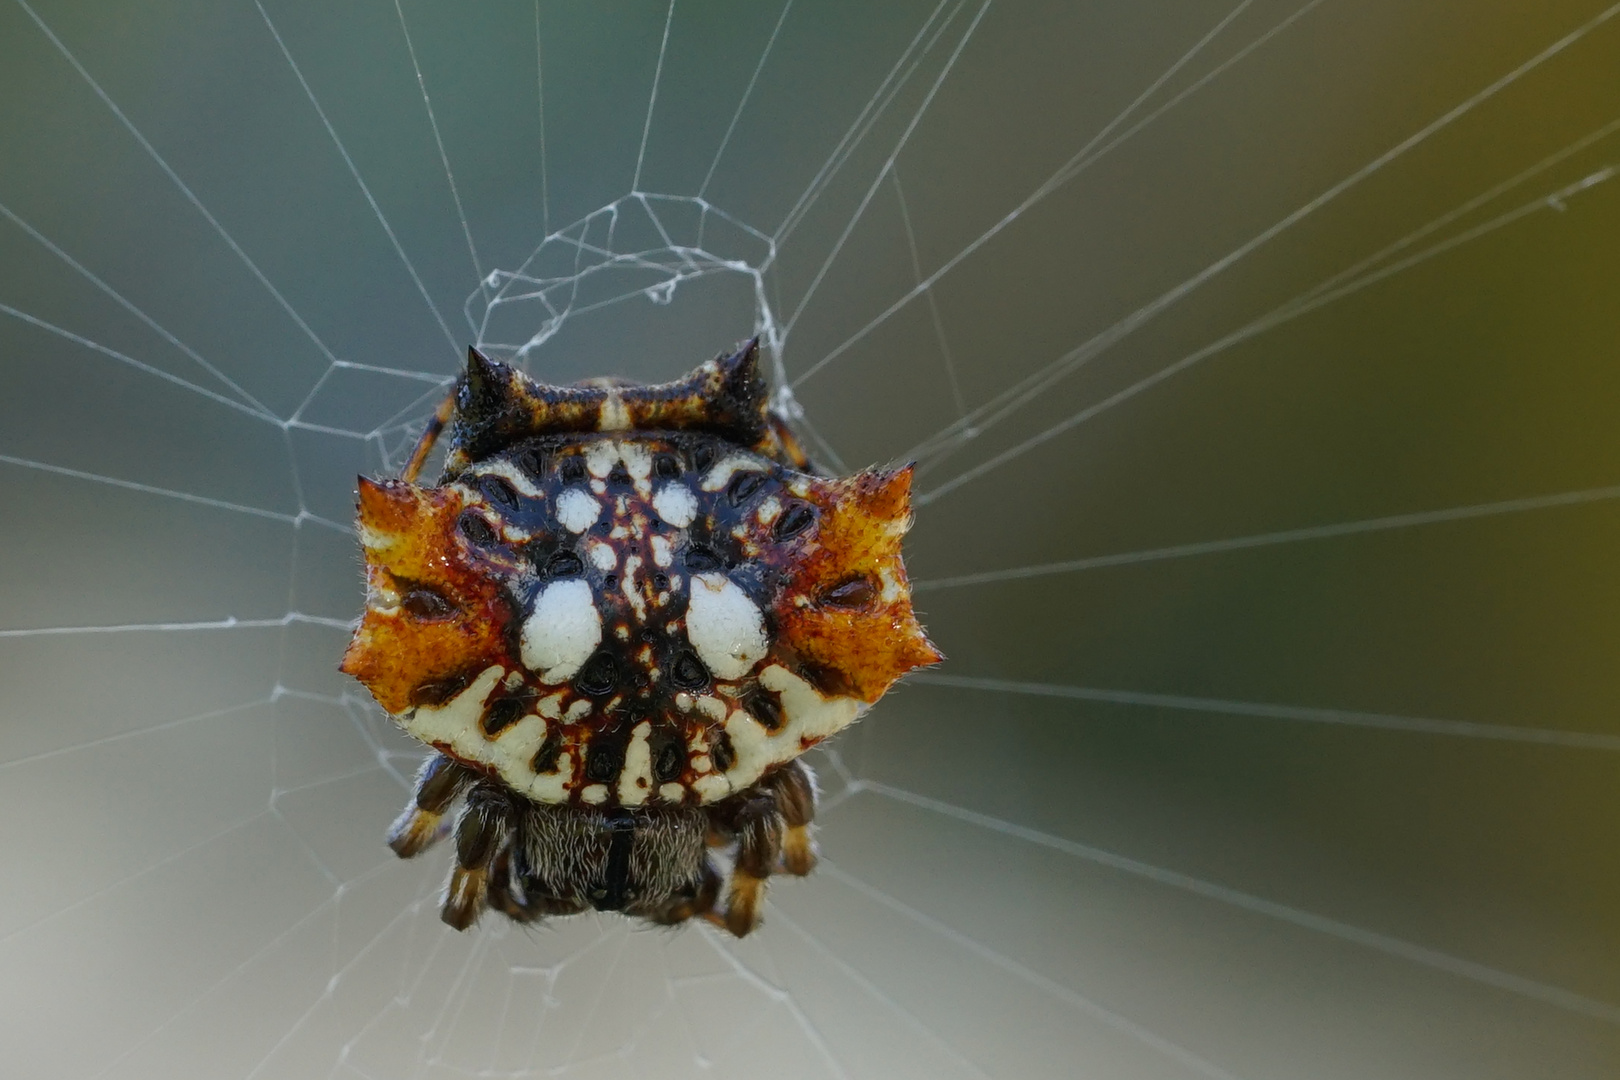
[
  {"x": 484, "y": 389},
  {"x": 743, "y": 396}
]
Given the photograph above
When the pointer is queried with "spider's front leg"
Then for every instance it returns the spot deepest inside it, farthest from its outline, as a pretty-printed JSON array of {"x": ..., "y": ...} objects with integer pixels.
[
  {"x": 756, "y": 823},
  {"x": 421, "y": 824},
  {"x": 483, "y": 828},
  {"x": 795, "y": 787}
]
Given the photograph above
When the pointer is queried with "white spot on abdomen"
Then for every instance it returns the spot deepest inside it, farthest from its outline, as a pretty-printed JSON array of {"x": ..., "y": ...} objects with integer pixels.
[
  {"x": 602, "y": 555},
  {"x": 512, "y": 475},
  {"x": 676, "y": 504},
  {"x": 455, "y": 723},
  {"x": 632, "y": 587},
  {"x": 577, "y": 511},
  {"x": 562, "y": 631},
  {"x": 712, "y": 787},
  {"x": 637, "y": 767},
  {"x": 725, "y": 627},
  {"x": 600, "y": 458},
  {"x": 549, "y": 787},
  {"x": 638, "y": 463},
  {"x": 720, "y": 475},
  {"x": 807, "y": 717}
]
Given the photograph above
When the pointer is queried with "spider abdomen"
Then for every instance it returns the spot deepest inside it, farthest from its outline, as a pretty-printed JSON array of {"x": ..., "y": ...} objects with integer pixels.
[{"x": 628, "y": 603}]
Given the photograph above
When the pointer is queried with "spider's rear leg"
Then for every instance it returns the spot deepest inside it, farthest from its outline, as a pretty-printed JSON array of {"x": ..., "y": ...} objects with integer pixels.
[
  {"x": 518, "y": 897},
  {"x": 795, "y": 787},
  {"x": 499, "y": 894},
  {"x": 705, "y": 892},
  {"x": 421, "y": 824},
  {"x": 482, "y": 829}
]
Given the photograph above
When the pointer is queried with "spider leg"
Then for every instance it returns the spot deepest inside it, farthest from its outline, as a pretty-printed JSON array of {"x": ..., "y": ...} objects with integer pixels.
[
  {"x": 795, "y": 788},
  {"x": 681, "y": 908},
  {"x": 758, "y": 828},
  {"x": 499, "y": 895},
  {"x": 421, "y": 824},
  {"x": 429, "y": 436},
  {"x": 481, "y": 829},
  {"x": 506, "y": 892}
]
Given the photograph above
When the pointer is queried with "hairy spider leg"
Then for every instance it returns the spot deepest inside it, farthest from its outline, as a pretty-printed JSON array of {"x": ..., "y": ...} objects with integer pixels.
[
  {"x": 498, "y": 895},
  {"x": 795, "y": 788},
  {"x": 422, "y": 823},
  {"x": 430, "y": 435},
  {"x": 481, "y": 828},
  {"x": 756, "y": 823},
  {"x": 701, "y": 902}
]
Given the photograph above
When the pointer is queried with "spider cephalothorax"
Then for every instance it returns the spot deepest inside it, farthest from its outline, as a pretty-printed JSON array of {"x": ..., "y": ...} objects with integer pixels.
[{"x": 619, "y": 618}]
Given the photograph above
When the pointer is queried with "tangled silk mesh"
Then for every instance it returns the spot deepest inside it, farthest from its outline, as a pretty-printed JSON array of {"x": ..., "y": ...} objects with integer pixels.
[{"x": 218, "y": 896}]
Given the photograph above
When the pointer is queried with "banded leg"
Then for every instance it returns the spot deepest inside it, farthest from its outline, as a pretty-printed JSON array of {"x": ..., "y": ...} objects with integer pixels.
[
  {"x": 499, "y": 895},
  {"x": 518, "y": 896},
  {"x": 430, "y": 435},
  {"x": 481, "y": 830},
  {"x": 421, "y": 824},
  {"x": 701, "y": 902},
  {"x": 758, "y": 827},
  {"x": 795, "y": 788}
]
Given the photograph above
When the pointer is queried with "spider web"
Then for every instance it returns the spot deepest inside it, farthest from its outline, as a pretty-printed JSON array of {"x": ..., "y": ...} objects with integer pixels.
[{"x": 1257, "y": 358}]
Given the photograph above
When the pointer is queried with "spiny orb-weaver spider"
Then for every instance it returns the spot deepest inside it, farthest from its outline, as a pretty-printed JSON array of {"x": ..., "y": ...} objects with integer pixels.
[{"x": 618, "y": 620}]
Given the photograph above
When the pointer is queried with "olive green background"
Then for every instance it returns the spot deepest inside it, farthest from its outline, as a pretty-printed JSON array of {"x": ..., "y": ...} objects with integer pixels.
[{"x": 1332, "y": 805}]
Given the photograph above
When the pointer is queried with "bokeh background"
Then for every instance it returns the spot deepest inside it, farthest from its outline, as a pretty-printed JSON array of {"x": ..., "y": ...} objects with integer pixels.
[{"x": 1260, "y": 360}]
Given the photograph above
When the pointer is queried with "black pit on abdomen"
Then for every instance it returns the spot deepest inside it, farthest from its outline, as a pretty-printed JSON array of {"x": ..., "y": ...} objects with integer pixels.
[{"x": 603, "y": 761}]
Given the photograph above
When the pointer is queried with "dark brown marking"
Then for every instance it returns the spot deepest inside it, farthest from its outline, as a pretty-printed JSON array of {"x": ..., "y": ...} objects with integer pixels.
[
  {"x": 794, "y": 520},
  {"x": 425, "y": 603},
  {"x": 436, "y": 693},
  {"x": 603, "y": 762},
  {"x": 498, "y": 491},
  {"x": 700, "y": 559},
  {"x": 763, "y": 707},
  {"x": 687, "y": 672},
  {"x": 668, "y": 757},
  {"x": 564, "y": 564},
  {"x": 721, "y": 752},
  {"x": 598, "y": 677},
  {"x": 743, "y": 486},
  {"x": 855, "y": 593},
  {"x": 502, "y": 715},
  {"x": 476, "y": 529},
  {"x": 533, "y": 463},
  {"x": 545, "y": 758}
]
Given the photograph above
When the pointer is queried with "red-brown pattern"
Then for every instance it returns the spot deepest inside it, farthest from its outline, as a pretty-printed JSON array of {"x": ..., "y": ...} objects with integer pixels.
[
  {"x": 453, "y": 575},
  {"x": 412, "y": 544}
]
